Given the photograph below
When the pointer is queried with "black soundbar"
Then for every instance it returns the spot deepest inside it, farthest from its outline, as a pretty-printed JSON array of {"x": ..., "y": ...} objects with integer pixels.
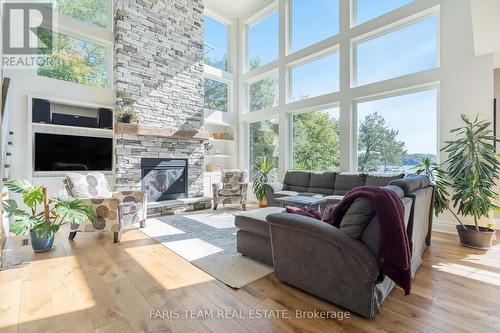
[{"x": 73, "y": 120}]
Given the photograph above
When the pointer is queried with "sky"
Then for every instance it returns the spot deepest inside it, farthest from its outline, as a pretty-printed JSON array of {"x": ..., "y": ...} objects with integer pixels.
[{"x": 404, "y": 51}]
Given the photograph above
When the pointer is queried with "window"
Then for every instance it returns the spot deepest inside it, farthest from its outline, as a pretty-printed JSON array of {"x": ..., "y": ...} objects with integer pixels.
[
  {"x": 396, "y": 133},
  {"x": 216, "y": 95},
  {"x": 88, "y": 11},
  {"x": 407, "y": 50},
  {"x": 315, "y": 78},
  {"x": 263, "y": 142},
  {"x": 76, "y": 60},
  {"x": 365, "y": 10},
  {"x": 264, "y": 93},
  {"x": 263, "y": 41},
  {"x": 316, "y": 140},
  {"x": 215, "y": 46},
  {"x": 313, "y": 21}
]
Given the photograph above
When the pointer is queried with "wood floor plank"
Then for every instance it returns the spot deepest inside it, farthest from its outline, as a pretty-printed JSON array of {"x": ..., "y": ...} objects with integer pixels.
[{"x": 91, "y": 284}]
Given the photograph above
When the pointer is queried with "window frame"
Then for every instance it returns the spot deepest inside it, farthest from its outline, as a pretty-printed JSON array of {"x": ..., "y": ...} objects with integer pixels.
[
  {"x": 92, "y": 33},
  {"x": 289, "y": 118},
  {"x": 348, "y": 92},
  {"x": 251, "y": 22},
  {"x": 395, "y": 26},
  {"x": 229, "y": 53},
  {"x": 427, "y": 87},
  {"x": 257, "y": 78},
  {"x": 230, "y": 88},
  {"x": 307, "y": 60}
]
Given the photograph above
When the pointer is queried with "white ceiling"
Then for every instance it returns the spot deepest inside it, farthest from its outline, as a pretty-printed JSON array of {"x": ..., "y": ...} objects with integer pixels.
[{"x": 237, "y": 8}]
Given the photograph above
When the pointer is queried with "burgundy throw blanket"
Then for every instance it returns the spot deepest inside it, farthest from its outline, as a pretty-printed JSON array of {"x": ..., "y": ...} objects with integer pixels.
[{"x": 395, "y": 246}]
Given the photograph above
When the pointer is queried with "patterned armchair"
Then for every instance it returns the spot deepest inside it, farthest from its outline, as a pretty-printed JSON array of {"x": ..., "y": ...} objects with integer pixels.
[
  {"x": 115, "y": 210},
  {"x": 234, "y": 188}
]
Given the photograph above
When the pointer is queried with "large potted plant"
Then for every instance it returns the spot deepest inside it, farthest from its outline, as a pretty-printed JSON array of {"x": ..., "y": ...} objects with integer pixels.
[
  {"x": 265, "y": 166},
  {"x": 43, "y": 224},
  {"x": 472, "y": 168},
  {"x": 437, "y": 176}
]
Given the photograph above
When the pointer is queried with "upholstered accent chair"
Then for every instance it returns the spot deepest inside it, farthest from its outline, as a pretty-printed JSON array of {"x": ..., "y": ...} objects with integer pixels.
[
  {"x": 234, "y": 185},
  {"x": 115, "y": 211}
]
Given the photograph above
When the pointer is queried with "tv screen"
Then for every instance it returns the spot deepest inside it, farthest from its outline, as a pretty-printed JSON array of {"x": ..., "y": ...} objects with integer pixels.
[{"x": 54, "y": 152}]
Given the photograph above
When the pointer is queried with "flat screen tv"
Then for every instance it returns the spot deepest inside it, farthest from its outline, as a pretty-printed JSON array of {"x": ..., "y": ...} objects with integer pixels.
[{"x": 54, "y": 152}]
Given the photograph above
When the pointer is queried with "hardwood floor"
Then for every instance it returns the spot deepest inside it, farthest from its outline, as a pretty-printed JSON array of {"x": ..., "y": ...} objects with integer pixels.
[{"x": 93, "y": 285}]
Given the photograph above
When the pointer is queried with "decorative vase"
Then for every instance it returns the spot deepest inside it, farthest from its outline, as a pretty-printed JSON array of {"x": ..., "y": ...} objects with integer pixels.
[
  {"x": 127, "y": 119},
  {"x": 262, "y": 203},
  {"x": 41, "y": 243},
  {"x": 470, "y": 237}
]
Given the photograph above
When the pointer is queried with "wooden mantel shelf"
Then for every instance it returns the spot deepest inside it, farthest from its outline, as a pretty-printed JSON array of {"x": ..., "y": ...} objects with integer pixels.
[{"x": 164, "y": 132}]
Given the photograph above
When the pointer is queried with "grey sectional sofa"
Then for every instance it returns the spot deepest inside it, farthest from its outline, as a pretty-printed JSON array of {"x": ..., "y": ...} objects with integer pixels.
[
  {"x": 341, "y": 265},
  {"x": 332, "y": 185}
]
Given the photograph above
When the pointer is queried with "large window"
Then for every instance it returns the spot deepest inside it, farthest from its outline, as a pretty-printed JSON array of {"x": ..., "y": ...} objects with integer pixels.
[
  {"x": 411, "y": 49},
  {"x": 264, "y": 93},
  {"x": 216, "y": 95},
  {"x": 88, "y": 11},
  {"x": 263, "y": 139},
  {"x": 313, "y": 21},
  {"x": 395, "y": 133},
  {"x": 315, "y": 78},
  {"x": 365, "y": 10},
  {"x": 76, "y": 60},
  {"x": 316, "y": 140},
  {"x": 215, "y": 45},
  {"x": 263, "y": 41}
]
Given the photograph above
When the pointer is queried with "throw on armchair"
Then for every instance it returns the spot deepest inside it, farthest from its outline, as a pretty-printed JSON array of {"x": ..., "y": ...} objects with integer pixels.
[
  {"x": 115, "y": 211},
  {"x": 234, "y": 188}
]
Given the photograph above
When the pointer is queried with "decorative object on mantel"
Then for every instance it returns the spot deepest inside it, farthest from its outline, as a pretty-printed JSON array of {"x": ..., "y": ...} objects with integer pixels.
[
  {"x": 165, "y": 132},
  {"x": 222, "y": 135},
  {"x": 473, "y": 169},
  {"x": 207, "y": 147},
  {"x": 127, "y": 115},
  {"x": 42, "y": 226},
  {"x": 213, "y": 167}
]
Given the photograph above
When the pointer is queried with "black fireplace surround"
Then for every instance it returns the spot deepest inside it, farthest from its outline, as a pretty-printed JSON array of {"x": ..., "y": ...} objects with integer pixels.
[{"x": 164, "y": 178}]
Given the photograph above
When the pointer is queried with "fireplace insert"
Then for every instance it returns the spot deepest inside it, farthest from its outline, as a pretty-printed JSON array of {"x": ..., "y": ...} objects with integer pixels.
[{"x": 164, "y": 178}]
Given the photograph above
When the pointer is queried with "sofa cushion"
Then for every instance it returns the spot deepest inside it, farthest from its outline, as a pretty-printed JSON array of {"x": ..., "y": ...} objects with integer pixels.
[
  {"x": 346, "y": 182},
  {"x": 322, "y": 183},
  {"x": 410, "y": 183},
  {"x": 357, "y": 217},
  {"x": 254, "y": 221},
  {"x": 285, "y": 194},
  {"x": 396, "y": 189},
  {"x": 297, "y": 181},
  {"x": 381, "y": 179}
]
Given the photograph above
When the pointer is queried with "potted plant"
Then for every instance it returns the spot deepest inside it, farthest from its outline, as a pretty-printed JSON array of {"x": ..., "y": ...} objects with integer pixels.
[
  {"x": 437, "y": 176},
  {"x": 265, "y": 166},
  {"x": 207, "y": 147},
  {"x": 127, "y": 115},
  {"x": 42, "y": 225},
  {"x": 472, "y": 168}
]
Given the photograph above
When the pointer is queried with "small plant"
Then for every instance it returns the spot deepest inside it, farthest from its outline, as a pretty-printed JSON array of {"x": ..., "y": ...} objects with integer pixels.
[
  {"x": 265, "y": 166},
  {"x": 55, "y": 212},
  {"x": 207, "y": 146},
  {"x": 127, "y": 115},
  {"x": 472, "y": 168}
]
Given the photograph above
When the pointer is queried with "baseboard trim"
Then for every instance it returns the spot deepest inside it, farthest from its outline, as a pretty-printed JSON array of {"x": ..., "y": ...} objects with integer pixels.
[{"x": 443, "y": 226}]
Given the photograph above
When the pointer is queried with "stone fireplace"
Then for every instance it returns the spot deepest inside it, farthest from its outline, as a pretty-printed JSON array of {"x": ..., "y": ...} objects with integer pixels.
[
  {"x": 164, "y": 179},
  {"x": 158, "y": 71}
]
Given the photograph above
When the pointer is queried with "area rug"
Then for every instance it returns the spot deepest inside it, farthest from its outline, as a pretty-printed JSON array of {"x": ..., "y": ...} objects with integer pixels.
[{"x": 208, "y": 241}]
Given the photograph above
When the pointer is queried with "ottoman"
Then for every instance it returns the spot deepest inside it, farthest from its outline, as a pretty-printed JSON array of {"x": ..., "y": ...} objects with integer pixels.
[{"x": 253, "y": 238}]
